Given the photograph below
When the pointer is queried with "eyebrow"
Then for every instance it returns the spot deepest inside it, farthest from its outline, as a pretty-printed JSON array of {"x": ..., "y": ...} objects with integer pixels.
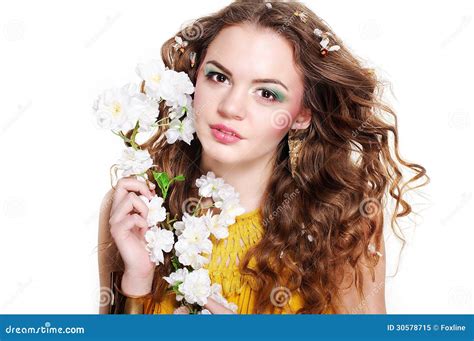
[{"x": 262, "y": 80}]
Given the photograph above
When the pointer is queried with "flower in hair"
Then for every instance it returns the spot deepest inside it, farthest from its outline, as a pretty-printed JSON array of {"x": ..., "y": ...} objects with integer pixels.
[
  {"x": 192, "y": 58},
  {"x": 301, "y": 15},
  {"x": 372, "y": 250},
  {"x": 325, "y": 47},
  {"x": 180, "y": 44}
]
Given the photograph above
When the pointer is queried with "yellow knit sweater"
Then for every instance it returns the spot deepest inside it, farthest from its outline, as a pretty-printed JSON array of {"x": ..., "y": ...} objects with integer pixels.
[{"x": 223, "y": 268}]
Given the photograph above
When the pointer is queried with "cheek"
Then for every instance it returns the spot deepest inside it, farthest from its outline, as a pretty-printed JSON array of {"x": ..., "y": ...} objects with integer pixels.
[{"x": 278, "y": 122}]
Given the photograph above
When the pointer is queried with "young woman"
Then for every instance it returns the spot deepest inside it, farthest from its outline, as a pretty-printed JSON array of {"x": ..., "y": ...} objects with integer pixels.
[{"x": 293, "y": 121}]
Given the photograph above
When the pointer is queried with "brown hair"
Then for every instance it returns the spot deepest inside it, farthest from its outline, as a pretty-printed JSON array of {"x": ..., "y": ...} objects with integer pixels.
[{"x": 344, "y": 169}]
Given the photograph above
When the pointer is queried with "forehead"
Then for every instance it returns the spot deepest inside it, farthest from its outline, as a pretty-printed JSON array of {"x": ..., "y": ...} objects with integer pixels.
[{"x": 251, "y": 51}]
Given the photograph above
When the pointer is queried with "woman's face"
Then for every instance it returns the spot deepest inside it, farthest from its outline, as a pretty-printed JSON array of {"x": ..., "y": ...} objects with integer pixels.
[{"x": 249, "y": 83}]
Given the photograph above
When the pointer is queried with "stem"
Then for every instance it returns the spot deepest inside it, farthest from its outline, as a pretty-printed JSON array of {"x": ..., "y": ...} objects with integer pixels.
[
  {"x": 134, "y": 133},
  {"x": 120, "y": 134},
  {"x": 130, "y": 140},
  {"x": 197, "y": 207},
  {"x": 163, "y": 119}
]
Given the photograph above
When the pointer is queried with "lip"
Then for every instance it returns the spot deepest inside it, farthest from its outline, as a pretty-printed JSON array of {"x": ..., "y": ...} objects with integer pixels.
[
  {"x": 221, "y": 134},
  {"x": 225, "y": 128}
]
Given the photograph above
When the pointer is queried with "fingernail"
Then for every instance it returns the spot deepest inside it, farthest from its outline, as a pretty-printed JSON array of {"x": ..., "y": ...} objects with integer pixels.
[{"x": 152, "y": 185}]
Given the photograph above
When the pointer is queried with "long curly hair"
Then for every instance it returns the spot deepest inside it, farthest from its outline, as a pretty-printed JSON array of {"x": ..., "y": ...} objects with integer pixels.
[{"x": 348, "y": 162}]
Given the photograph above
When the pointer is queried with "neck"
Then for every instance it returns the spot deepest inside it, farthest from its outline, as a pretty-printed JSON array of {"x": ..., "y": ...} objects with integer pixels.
[{"x": 249, "y": 179}]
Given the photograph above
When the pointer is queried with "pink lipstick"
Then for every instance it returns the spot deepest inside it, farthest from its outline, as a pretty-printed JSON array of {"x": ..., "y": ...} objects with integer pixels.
[{"x": 225, "y": 134}]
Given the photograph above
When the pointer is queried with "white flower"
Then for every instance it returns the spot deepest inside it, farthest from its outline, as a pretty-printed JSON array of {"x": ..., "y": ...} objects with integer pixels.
[
  {"x": 152, "y": 73},
  {"x": 175, "y": 87},
  {"x": 180, "y": 130},
  {"x": 194, "y": 259},
  {"x": 373, "y": 250},
  {"x": 224, "y": 193},
  {"x": 216, "y": 225},
  {"x": 195, "y": 234},
  {"x": 196, "y": 287},
  {"x": 179, "y": 43},
  {"x": 193, "y": 241},
  {"x": 178, "y": 228},
  {"x": 134, "y": 161},
  {"x": 156, "y": 213},
  {"x": 165, "y": 84},
  {"x": 177, "y": 276},
  {"x": 158, "y": 240},
  {"x": 118, "y": 109},
  {"x": 147, "y": 113},
  {"x": 230, "y": 209},
  {"x": 209, "y": 185},
  {"x": 178, "y": 111}
]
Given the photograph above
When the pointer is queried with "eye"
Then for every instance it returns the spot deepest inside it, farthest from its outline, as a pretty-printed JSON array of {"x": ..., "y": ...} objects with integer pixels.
[
  {"x": 216, "y": 77},
  {"x": 268, "y": 95}
]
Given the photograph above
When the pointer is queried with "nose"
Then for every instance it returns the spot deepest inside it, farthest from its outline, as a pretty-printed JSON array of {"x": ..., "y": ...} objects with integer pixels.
[{"x": 232, "y": 105}]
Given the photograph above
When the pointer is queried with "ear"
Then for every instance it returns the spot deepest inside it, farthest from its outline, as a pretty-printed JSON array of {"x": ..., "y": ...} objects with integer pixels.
[{"x": 302, "y": 120}]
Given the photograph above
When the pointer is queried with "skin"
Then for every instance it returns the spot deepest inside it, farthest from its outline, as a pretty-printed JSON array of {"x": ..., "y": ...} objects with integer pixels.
[
  {"x": 245, "y": 53},
  {"x": 231, "y": 98}
]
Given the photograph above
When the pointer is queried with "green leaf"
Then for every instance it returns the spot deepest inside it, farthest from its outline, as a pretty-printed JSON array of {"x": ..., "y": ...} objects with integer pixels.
[
  {"x": 179, "y": 178},
  {"x": 163, "y": 182},
  {"x": 175, "y": 262}
]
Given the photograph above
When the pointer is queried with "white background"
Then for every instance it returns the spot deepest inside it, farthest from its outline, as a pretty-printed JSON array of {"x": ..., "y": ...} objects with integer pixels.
[{"x": 57, "y": 56}]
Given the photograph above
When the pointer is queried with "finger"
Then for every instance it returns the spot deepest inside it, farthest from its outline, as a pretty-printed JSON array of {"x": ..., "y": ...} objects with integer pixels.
[
  {"x": 131, "y": 202},
  {"x": 128, "y": 223},
  {"x": 216, "y": 308},
  {"x": 181, "y": 311},
  {"x": 130, "y": 184}
]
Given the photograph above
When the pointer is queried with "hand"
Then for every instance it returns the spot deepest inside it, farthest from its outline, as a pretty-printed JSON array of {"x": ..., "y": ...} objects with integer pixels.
[
  {"x": 212, "y": 306},
  {"x": 128, "y": 225},
  {"x": 216, "y": 308}
]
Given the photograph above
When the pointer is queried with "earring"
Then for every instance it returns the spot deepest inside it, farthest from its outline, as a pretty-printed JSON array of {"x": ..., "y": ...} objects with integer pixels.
[{"x": 295, "y": 142}]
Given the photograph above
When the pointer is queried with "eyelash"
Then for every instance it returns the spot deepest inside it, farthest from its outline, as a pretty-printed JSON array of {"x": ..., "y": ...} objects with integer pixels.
[{"x": 209, "y": 75}]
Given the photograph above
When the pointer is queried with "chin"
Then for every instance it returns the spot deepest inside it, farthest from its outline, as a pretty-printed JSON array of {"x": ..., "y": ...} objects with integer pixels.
[
  {"x": 226, "y": 154},
  {"x": 222, "y": 153}
]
